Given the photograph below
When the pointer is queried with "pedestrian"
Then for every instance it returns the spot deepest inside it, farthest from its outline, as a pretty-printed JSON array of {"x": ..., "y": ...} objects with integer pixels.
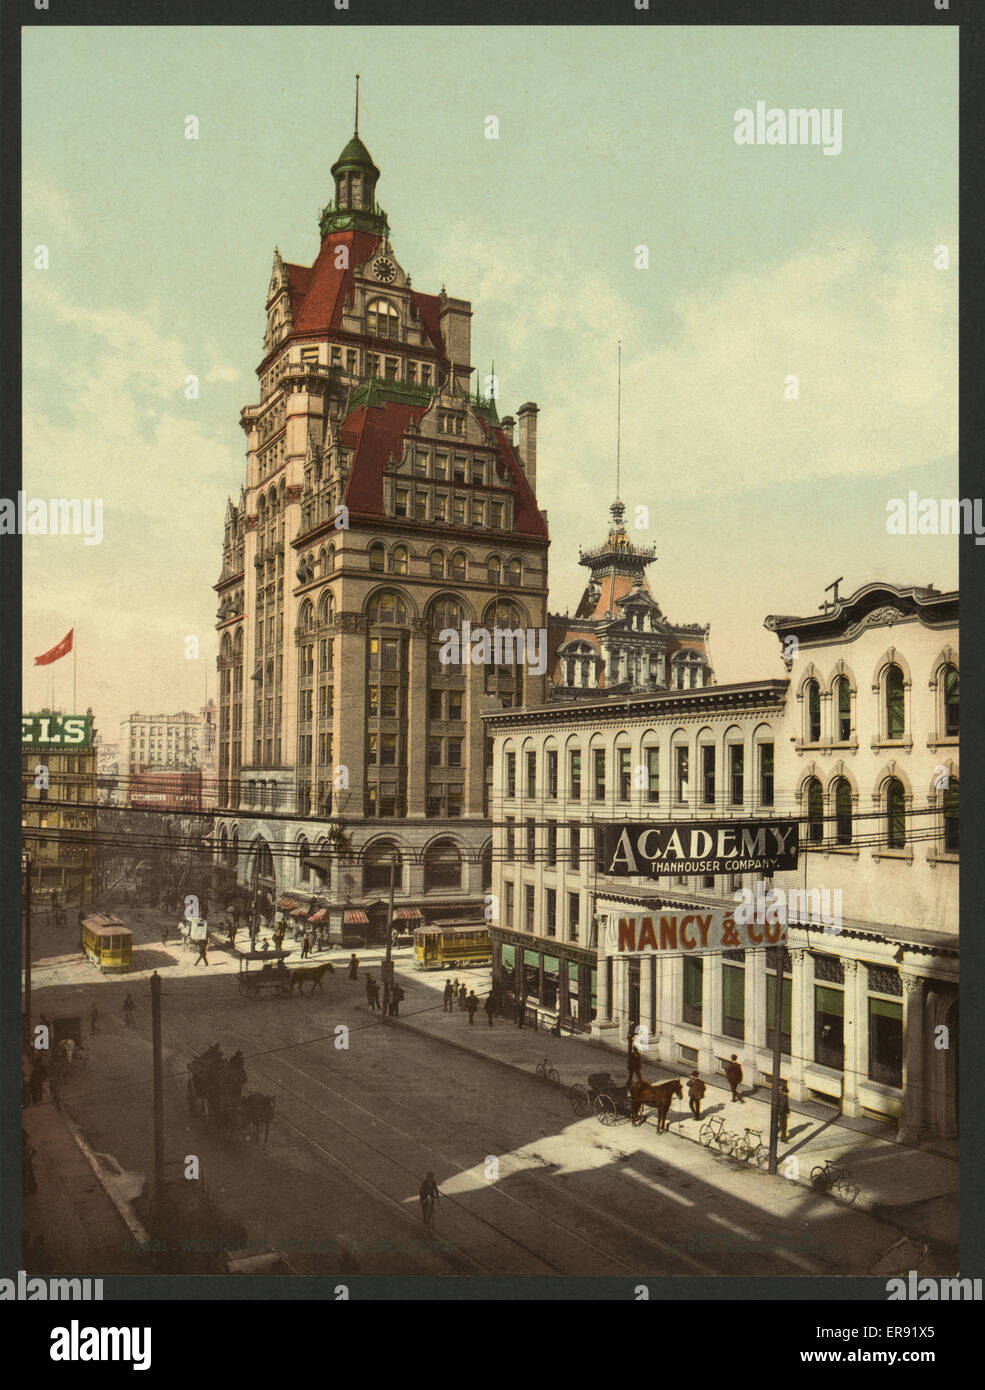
[
  {"x": 449, "y": 997},
  {"x": 306, "y": 947},
  {"x": 463, "y": 994},
  {"x": 454, "y": 994},
  {"x": 130, "y": 1008},
  {"x": 93, "y": 1020},
  {"x": 633, "y": 1060},
  {"x": 396, "y": 994},
  {"x": 784, "y": 1110},
  {"x": 370, "y": 996},
  {"x": 376, "y": 995},
  {"x": 353, "y": 967},
  {"x": 696, "y": 1090},
  {"x": 164, "y": 934},
  {"x": 202, "y": 948},
  {"x": 490, "y": 1007},
  {"x": 472, "y": 1005},
  {"x": 518, "y": 1010},
  {"x": 39, "y": 1074},
  {"x": 428, "y": 1194},
  {"x": 733, "y": 1075}
]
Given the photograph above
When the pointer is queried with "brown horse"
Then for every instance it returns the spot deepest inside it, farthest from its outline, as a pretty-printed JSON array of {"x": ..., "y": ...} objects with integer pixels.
[
  {"x": 660, "y": 1097},
  {"x": 303, "y": 973}
]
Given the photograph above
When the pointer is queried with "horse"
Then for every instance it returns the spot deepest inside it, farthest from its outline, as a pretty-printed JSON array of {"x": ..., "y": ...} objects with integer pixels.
[
  {"x": 660, "y": 1097},
  {"x": 313, "y": 973},
  {"x": 257, "y": 1111}
]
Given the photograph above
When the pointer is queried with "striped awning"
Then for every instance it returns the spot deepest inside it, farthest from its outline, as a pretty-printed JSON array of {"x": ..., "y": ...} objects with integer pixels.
[
  {"x": 355, "y": 917},
  {"x": 299, "y": 912},
  {"x": 407, "y": 914},
  {"x": 320, "y": 915},
  {"x": 285, "y": 904}
]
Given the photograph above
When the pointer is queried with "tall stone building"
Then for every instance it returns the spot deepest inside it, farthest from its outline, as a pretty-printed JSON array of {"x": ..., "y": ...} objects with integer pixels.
[
  {"x": 619, "y": 640},
  {"x": 384, "y": 503}
]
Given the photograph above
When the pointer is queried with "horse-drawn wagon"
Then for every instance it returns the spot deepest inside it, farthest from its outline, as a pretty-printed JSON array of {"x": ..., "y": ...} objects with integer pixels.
[
  {"x": 215, "y": 1093},
  {"x": 613, "y": 1101},
  {"x": 269, "y": 974}
]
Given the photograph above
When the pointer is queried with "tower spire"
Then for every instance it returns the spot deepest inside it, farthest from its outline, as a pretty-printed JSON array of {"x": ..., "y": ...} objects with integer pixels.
[
  {"x": 618, "y": 416},
  {"x": 357, "y": 103}
]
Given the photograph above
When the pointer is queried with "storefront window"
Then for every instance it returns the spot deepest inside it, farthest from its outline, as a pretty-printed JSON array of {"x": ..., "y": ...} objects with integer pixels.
[
  {"x": 573, "y": 994},
  {"x": 693, "y": 974},
  {"x": 531, "y": 974},
  {"x": 829, "y": 1027},
  {"x": 734, "y": 1001},
  {"x": 552, "y": 969},
  {"x": 886, "y": 1041}
]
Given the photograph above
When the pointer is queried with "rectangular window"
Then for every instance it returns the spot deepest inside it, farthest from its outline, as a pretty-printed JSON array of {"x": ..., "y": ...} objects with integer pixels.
[
  {"x": 459, "y": 474},
  {"x": 624, "y": 774},
  {"x": 336, "y": 357},
  {"x": 551, "y": 764},
  {"x": 886, "y": 1041},
  {"x": 420, "y": 506},
  {"x": 574, "y": 915},
  {"x": 736, "y": 755},
  {"x": 681, "y": 775},
  {"x": 352, "y": 362},
  {"x": 425, "y": 374},
  {"x": 531, "y": 841},
  {"x": 454, "y": 801},
  {"x": 829, "y": 1027},
  {"x": 693, "y": 987},
  {"x": 511, "y": 774},
  {"x": 734, "y": 1001},
  {"x": 531, "y": 774},
  {"x": 372, "y": 364},
  {"x": 458, "y": 511},
  {"x": 441, "y": 467},
  {"x": 653, "y": 774},
  {"x": 412, "y": 372},
  {"x": 374, "y": 702},
  {"x": 496, "y": 514},
  {"x": 440, "y": 507},
  {"x": 550, "y": 912},
  {"x": 552, "y": 842},
  {"x": 391, "y": 368},
  {"x": 434, "y": 752},
  {"x": 478, "y": 512},
  {"x": 598, "y": 765},
  {"x": 766, "y": 774},
  {"x": 434, "y": 704},
  {"x": 528, "y": 908},
  {"x": 574, "y": 844},
  {"x": 388, "y": 702},
  {"x": 454, "y": 752},
  {"x": 510, "y": 839},
  {"x": 401, "y": 498},
  {"x": 574, "y": 774},
  {"x": 389, "y": 653},
  {"x": 454, "y": 704},
  {"x": 507, "y": 907},
  {"x": 708, "y": 775}
]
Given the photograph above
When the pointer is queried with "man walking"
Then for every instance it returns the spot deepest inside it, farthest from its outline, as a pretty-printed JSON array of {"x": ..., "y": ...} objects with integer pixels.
[
  {"x": 396, "y": 994},
  {"x": 370, "y": 992},
  {"x": 202, "y": 948},
  {"x": 463, "y": 994},
  {"x": 472, "y": 1005},
  {"x": 490, "y": 1007},
  {"x": 306, "y": 947},
  {"x": 784, "y": 1110},
  {"x": 353, "y": 967},
  {"x": 518, "y": 1012},
  {"x": 449, "y": 997},
  {"x": 733, "y": 1075},
  {"x": 428, "y": 1195},
  {"x": 130, "y": 1008},
  {"x": 164, "y": 934},
  {"x": 696, "y": 1090}
]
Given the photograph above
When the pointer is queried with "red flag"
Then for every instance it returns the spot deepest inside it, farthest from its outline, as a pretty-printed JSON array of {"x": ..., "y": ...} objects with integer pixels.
[{"x": 63, "y": 649}]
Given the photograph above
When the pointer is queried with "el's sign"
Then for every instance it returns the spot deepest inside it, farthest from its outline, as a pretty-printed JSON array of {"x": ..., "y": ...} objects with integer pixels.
[
  {"x": 59, "y": 730},
  {"x": 700, "y": 847}
]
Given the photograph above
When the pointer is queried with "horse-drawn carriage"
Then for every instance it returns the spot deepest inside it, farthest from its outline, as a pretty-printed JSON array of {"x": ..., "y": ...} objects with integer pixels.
[
  {"x": 274, "y": 977},
  {"x": 614, "y": 1102},
  {"x": 215, "y": 1092}
]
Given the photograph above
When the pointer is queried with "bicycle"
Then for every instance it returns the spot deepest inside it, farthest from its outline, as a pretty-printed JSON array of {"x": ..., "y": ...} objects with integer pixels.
[
  {"x": 746, "y": 1148},
  {"x": 428, "y": 1205},
  {"x": 828, "y": 1177},
  {"x": 714, "y": 1132},
  {"x": 548, "y": 1072}
]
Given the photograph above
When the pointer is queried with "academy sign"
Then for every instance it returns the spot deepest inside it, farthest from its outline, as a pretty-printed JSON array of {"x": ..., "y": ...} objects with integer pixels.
[{"x": 700, "y": 847}]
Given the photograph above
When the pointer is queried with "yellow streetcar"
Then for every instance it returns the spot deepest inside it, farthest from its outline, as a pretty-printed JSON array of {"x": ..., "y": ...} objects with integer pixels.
[
  {"x": 107, "y": 942},
  {"x": 452, "y": 946}
]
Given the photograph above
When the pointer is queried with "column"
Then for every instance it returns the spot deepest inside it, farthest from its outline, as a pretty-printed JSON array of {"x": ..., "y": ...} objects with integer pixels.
[
  {"x": 646, "y": 997},
  {"x": 914, "y": 1122},
  {"x": 852, "y": 1026},
  {"x": 801, "y": 1020},
  {"x": 620, "y": 988}
]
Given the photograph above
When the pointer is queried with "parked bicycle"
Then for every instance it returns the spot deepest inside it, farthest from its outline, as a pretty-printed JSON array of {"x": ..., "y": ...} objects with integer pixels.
[
  {"x": 714, "y": 1132},
  {"x": 828, "y": 1177},
  {"x": 548, "y": 1072},
  {"x": 751, "y": 1146}
]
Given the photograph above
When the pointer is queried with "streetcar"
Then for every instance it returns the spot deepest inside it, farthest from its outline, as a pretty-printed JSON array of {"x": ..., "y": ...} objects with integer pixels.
[
  {"x": 107, "y": 942},
  {"x": 452, "y": 946}
]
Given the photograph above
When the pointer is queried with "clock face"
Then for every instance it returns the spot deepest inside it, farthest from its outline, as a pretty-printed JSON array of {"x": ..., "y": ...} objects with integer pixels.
[{"x": 384, "y": 270}]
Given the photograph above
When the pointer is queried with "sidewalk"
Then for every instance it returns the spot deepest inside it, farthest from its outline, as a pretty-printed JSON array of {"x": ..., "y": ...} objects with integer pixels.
[{"x": 913, "y": 1187}]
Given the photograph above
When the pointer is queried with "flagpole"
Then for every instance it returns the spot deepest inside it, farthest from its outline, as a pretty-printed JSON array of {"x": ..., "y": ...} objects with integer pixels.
[{"x": 75, "y": 646}]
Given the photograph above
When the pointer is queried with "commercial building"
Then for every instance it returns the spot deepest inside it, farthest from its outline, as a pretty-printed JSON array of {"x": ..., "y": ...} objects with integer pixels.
[
  {"x": 58, "y": 815},
  {"x": 172, "y": 743},
  {"x": 860, "y": 750},
  {"x": 387, "y": 526}
]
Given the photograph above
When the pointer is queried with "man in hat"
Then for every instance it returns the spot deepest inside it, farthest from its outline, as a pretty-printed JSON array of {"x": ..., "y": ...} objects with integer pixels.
[
  {"x": 733, "y": 1075},
  {"x": 696, "y": 1091}
]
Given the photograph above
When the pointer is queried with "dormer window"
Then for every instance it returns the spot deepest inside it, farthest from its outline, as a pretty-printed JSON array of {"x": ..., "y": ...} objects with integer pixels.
[{"x": 382, "y": 320}]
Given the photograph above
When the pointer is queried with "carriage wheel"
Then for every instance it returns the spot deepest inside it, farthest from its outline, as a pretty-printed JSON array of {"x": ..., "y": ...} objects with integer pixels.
[
  {"x": 605, "y": 1109},
  {"x": 580, "y": 1102}
]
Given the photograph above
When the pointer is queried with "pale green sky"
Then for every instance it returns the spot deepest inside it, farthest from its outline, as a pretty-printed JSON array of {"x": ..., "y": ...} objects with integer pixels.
[{"x": 764, "y": 262}]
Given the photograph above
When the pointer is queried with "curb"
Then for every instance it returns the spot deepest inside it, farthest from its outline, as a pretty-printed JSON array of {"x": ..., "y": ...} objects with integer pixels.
[{"x": 123, "y": 1208}]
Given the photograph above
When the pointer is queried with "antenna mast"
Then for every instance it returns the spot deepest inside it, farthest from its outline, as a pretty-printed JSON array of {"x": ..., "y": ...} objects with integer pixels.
[
  {"x": 357, "y": 103},
  {"x": 618, "y": 418}
]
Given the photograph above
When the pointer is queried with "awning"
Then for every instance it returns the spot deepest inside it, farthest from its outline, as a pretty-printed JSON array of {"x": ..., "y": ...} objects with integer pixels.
[
  {"x": 285, "y": 904},
  {"x": 320, "y": 915},
  {"x": 299, "y": 912},
  {"x": 355, "y": 917},
  {"x": 321, "y": 862},
  {"x": 407, "y": 914}
]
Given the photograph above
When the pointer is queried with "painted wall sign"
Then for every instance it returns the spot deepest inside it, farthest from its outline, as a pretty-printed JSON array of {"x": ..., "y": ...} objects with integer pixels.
[
  {"x": 700, "y": 847},
  {"x": 57, "y": 730},
  {"x": 676, "y": 931}
]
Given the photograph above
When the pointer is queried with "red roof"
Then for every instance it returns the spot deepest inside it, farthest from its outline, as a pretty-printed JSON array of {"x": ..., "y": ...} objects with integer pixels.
[
  {"x": 529, "y": 521},
  {"x": 375, "y": 433},
  {"x": 429, "y": 308},
  {"x": 318, "y": 294}
]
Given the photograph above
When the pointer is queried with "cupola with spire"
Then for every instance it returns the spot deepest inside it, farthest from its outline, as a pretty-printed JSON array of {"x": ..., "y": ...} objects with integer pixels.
[{"x": 355, "y": 175}]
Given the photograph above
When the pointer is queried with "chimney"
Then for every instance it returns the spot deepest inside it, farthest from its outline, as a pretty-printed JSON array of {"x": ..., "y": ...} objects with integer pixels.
[
  {"x": 527, "y": 415},
  {"x": 508, "y": 425}
]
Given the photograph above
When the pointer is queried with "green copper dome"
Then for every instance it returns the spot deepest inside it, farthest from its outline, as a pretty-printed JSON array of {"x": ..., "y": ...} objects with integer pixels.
[{"x": 355, "y": 156}]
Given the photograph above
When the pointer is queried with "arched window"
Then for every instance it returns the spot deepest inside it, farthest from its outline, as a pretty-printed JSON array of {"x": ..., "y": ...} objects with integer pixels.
[
  {"x": 507, "y": 617},
  {"x": 815, "y": 811},
  {"x": 437, "y": 564},
  {"x": 326, "y": 608},
  {"x": 487, "y": 867},
  {"x": 442, "y": 865},
  {"x": 376, "y": 865},
  {"x": 951, "y": 819},
  {"x": 843, "y": 812},
  {"x": 895, "y": 723},
  {"x": 812, "y": 691},
  {"x": 895, "y": 814},
  {"x": 306, "y": 616},
  {"x": 514, "y": 572},
  {"x": 493, "y": 569},
  {"x": 952, "y": 692},
  {"x": 458, "y": 565},
  {"x": 377, "y": 557},
  {"x": 398, "y": 559},
  {"x": 329, "y": 560},
  {"x": 445, "y": 611},
  {"x": 843, "y": 697},
  {"x": 382, "y": 320},
  {"x": 388, "y": 607},
  {"x": 303, "y": 853}
]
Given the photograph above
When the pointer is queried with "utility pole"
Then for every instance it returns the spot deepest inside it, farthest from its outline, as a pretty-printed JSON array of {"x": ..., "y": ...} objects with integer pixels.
[
  {"x": 777, "y": 1054},
  {"x": 26, "y": 865},
  {"x": 388, "y": 958},
  {"x": 155, "y": 1018}
]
